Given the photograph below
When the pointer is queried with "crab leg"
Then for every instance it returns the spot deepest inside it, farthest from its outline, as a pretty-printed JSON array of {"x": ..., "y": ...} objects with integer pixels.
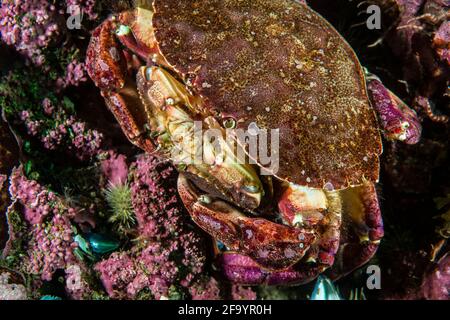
[
  {"x": 273, "y": 246},
  {"x": 243, "y": 270},
  {"x": 107, "y": 67},
  {"x": 362, "y": 229},
  {"x": 399, "y": 122}
]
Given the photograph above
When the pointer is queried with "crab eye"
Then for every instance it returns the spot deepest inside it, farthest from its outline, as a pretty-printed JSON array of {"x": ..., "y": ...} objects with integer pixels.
[
  {"x": 229, "y": 123},
  {"x": 123, "y": 30},
  {"x": 251, "y": 188},
  {"x": 148, "y": 74}
]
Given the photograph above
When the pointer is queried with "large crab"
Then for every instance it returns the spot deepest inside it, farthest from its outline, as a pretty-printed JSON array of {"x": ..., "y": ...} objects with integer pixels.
[{"x": 257, "y": 64}]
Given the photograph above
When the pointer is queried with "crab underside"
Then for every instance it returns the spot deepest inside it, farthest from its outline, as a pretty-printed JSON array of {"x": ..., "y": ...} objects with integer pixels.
[{"x": 267, "y": 65}]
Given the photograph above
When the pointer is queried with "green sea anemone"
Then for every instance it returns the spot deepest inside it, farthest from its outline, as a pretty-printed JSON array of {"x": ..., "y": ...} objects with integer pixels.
[{"x": 118, "y": 197}]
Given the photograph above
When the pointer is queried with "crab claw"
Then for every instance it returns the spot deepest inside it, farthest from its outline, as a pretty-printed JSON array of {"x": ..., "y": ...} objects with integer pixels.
[
  {"x": 105, "y": 61},
  {"x": 399, "y": 122},
  {"x": 272, "y": 246},
  {"x": 315, "y": 209},
  {"x": 243, "y": 270},
  {"x": 362, "y": 229},
  {"x": 107, "y": 66},
  {"x": 302, "y": 205}
]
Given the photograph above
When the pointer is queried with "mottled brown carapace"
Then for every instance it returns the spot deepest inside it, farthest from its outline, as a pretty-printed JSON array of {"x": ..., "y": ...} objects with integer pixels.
[{"x": 281, "y": 65}]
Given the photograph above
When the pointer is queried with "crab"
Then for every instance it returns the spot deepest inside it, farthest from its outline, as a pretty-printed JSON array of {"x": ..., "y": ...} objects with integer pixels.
[{"x": 166, "y": 65}]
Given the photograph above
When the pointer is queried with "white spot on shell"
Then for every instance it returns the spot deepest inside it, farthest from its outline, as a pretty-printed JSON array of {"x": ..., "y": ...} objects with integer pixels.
[
  {"x": 328, "y": 186},
  {"x": 114, "y": 54},
  {"x": 289, "y": 253},
  {"x": 253, "y": 129},
  {"x": 206, "y": 85},
  {"x": 263, "y": 253},
  {"x": 103, "y": 66}
]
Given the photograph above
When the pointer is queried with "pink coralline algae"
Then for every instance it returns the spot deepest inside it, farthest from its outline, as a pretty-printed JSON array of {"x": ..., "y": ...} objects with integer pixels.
[
  {"x": 29, "y": 26},
  {"x": 83, "y": 143},
  {"x": 124, "y": 275},
  {"x": 169, "y": 252},
  {"x": 87, "y": 7},
  {"x": 50, "y": 244},
  {"x": 77, "y": 287},
  {"x": 115, "y": 169},
  {"x": 242, "y": 293},
  {"x": 205, "y": 290},
  {"x": 37, "y": 201},
  {"x": 161, "y": 216},
  {"x": 75, "y": 74},
  {"x": 11, "y": 291},
  {"x": 51, "y": 247},
  {"x": 117, "y": 274},
  {"x": 32, "y": 25}
]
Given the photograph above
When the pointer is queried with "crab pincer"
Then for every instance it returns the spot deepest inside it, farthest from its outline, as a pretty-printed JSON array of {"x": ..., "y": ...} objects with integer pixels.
[
  {"x": 107, "y": 65},
  {"x": 271, "y": 245},
  {"x": 398, "y": 121}
]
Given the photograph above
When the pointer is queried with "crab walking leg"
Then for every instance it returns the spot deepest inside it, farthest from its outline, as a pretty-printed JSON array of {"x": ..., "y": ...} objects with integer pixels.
[
  {"x": 362, "y": 229},
  {"x": 399, "y": 122},
  {"x": 273, "y": 246},
  {"x": 107, "y": 67},
  {"x": 171, "y": 112}
]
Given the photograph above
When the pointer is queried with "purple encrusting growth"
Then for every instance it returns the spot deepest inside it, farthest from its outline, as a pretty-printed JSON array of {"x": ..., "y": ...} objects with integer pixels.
[
  {"x": 75, "y": 74},
  {"x": 84, "y": 143},
  {"x": 29, "y": 26},
  {"x": 38, "y": 202},
  {"x": 169, "y": 252},
  {"x": 87, "y": 7},
  {"x": 242, "y": 293},
  {"x": 115, "y": 169},
  {"x": 77, "y": 287},
  {"x": 50, "y": 246},
  {"x": 397, "y": 120},
  {"x": 161, "y": 216},
  {"x": 32, "y": 25},
  {"x": 205, "y": 290}
]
